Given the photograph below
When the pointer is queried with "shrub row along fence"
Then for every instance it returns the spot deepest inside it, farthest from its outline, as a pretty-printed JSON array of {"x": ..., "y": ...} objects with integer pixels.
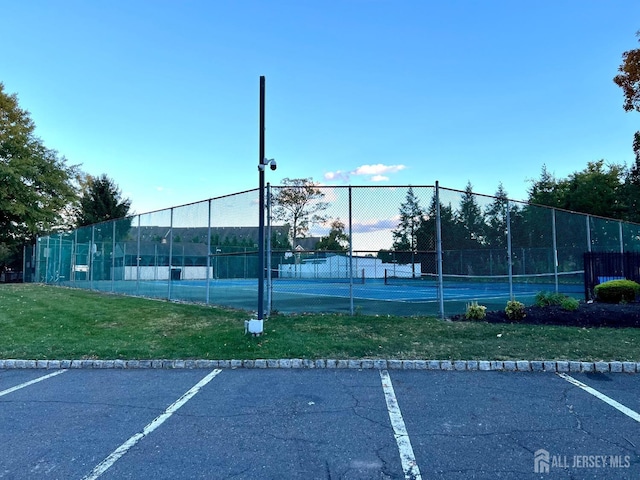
[{"x": 377, "y": 250}]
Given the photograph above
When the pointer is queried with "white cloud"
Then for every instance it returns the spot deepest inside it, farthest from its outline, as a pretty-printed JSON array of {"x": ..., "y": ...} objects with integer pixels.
[
  {"x": 377, "y": 172},
  {"x": 337, "y": 175},
  {"x": 377, "y": 169},
  {"x": 379, "y": 178},
  {"x": 375, "y": 225}
]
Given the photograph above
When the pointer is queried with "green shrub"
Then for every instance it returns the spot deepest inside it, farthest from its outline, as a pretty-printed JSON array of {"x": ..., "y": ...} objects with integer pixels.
[
  {"x": 475, "y": 311},
  {"x": 570, "y": 304},
  {"x": 617, "y": 291},
  {"x": 546, "y": 299},
  {"x": 515, "y": 310}
]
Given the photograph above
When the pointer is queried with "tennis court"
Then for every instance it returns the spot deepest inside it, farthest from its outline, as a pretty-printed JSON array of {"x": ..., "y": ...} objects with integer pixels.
[
  {"x": 401, "y": 296},
  {"x": 516, "y": 252}
]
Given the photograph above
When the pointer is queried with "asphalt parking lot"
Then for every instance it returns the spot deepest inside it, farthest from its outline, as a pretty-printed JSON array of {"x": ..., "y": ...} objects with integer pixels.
[{"x": 317, "y": 424}]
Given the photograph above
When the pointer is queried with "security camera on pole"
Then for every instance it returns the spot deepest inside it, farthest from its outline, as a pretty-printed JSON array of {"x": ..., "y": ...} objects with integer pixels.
[{"x": 255, "y": 326}]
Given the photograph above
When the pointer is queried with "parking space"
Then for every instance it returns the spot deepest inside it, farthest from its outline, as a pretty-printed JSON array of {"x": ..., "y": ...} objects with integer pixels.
[{"x": 325, "y": 423}]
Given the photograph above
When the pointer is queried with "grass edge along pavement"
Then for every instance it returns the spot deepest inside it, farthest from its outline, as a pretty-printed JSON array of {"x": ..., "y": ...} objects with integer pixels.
[{"x": 49, "y": 323}]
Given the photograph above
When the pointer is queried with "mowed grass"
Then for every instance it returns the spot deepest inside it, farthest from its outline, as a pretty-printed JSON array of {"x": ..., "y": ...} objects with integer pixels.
[{"x": 44, "y": 322}]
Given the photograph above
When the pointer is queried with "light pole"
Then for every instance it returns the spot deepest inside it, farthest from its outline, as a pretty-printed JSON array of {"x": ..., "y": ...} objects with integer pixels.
[{"x": 255, "y": 326}]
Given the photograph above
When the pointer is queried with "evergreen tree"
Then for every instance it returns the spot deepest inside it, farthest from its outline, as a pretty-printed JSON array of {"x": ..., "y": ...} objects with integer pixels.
[
  {"x": 496, "y": 215},
  {"x": 405, "y": 236},
  {"x": 471, "y": 220},
  {"x": 101, "y": 201}
]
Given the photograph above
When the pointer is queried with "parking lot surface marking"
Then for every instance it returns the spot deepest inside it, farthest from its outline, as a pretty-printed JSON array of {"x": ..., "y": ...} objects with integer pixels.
[
  {"x": 407, "y": 458},
  {"x": 159, "y": 420},
  {"x": 26, "y": 384},
  {"x": 610, "y": 401}
]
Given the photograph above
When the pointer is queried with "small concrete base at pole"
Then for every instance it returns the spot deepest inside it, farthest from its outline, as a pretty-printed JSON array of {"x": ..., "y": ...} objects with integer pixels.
[{"x": 254, "y": 327}]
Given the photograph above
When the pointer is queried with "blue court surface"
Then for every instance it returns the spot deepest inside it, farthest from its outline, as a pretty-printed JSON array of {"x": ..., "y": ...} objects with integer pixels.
[
  {"x": 372, "y": 296},
  {"x": 376, "y": 289}
]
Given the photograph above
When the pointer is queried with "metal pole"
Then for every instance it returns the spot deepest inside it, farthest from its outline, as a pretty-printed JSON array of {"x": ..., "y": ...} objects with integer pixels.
[
  {"x": 621, "y": 249},
  {"x": 351, "y": 309},
  {"x": 91, "y": 253},
  {"x": 170, "y": 252},
  {"x": 47, "y": 253},
  {"x": 439, "y": 252},
  {"x": 208, "y": 254},
  {"x": 59, "y": 269},
  {"x": 261, "y": 205},
  {"x": 509, "y": 256},
  {"x": 138, "y": 260},
  {"x": 555, "y": 247},
  {"x": 621, "y": 238},
  {"x": 269, "y": 282},
  {"x": 588, "y": 233},
  {"x": 24, "y": 262},
  {"x": 74, "y": 253},
  {"x": 113, "y": 257}
]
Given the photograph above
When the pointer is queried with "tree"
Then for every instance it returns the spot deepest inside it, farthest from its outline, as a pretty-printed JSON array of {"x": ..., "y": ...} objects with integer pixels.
[
  {"x": 632, "y": 184},
  {"x": 299, "y": 203},
  {"x": 629, "y": 78},
  {"x": 409, "y": 236},
  {"x": 336, "y": 241},
  {"x": 471, "y": 219},
  {"x": 101, "y": 201},
  {"x": 36, "y": 184},
  {"x": 546, "y": 190},
  {"x": 496, "y": 215},
  {"x": 405, "y": 236},
  {"x": 595, "y": 190}
]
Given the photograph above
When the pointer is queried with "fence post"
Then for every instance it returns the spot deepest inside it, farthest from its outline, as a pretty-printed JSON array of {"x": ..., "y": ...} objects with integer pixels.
[
  {"x": 621, "y": 238},
  {"x": 555, "y": 247},
  {"x": 24, "y": 262},
  {"x": 91, "y": 254},
  {"x": 509, "y": 256},
  {"x": 138, "y": 259},
  {"x": 208, "y": 253},
  {"x": 170, "y": 252},
  {"x": 74, "y": 255},
  {"x": 268, "y": 253},
  {"x": 113, "y": 257},
  {"x": 439, "y": 252},
  {"x": 351, "y": 309},
  {"x": 47, "y": 252},
  {"x": 588, "y": 218}
]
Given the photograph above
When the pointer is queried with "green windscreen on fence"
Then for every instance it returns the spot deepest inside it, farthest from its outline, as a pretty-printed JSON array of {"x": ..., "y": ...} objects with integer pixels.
[{"x": 400, "y": 250}]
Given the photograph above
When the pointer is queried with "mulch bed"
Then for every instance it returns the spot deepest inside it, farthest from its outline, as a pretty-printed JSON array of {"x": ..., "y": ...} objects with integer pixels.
[{"x": 587, "y": 315}]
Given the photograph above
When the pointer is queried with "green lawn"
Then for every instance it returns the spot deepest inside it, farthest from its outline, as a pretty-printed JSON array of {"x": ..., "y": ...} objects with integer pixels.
[{"x": 43, "y": 322}]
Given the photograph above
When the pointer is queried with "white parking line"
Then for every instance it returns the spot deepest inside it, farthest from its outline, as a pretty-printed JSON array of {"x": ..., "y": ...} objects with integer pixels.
[
  {"x": 26, "y": 384},
  {"x": 610, "y": 401},
  {"x": 124, "y": 448},
  {"x": 407, "y": 458}
]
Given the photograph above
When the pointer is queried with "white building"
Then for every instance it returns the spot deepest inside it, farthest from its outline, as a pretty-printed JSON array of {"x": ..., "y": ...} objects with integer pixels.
[{"x": 337, "y": 266}]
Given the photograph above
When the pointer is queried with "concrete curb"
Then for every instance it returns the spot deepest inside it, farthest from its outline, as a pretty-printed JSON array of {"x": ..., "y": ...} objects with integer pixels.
[{"x": 363, "y": 364}]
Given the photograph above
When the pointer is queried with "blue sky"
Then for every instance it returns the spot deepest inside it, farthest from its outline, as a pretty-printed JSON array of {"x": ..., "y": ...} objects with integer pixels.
[{"x": 163, "y": 95}]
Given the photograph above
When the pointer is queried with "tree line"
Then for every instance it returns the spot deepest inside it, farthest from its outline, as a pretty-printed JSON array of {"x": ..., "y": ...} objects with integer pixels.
[{"x": 40, "y": 191}]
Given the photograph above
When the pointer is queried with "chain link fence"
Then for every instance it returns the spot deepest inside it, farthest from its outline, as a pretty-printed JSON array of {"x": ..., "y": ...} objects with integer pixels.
[{"x": 401, "y": 250}]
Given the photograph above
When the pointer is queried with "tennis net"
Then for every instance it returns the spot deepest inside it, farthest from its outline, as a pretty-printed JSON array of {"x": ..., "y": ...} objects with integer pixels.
[{"x": 541, "y": 280}]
